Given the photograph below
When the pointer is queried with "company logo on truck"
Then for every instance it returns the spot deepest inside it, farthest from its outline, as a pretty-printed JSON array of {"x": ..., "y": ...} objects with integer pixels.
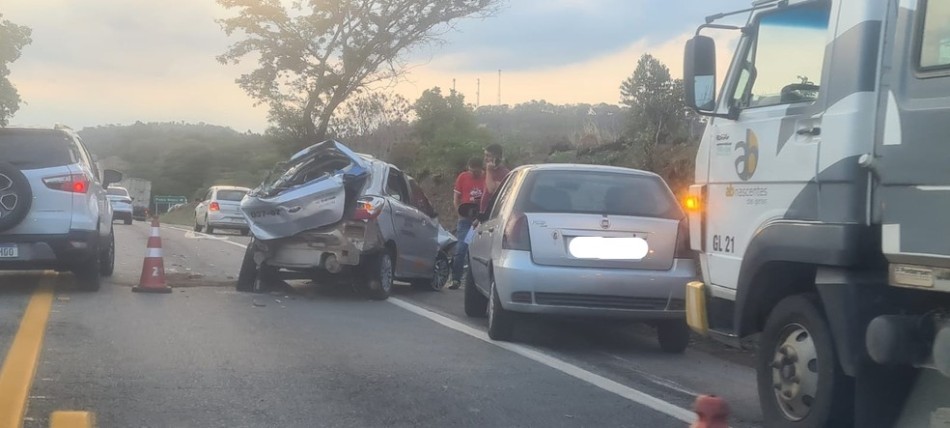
[{"x": 749, "y": 159}]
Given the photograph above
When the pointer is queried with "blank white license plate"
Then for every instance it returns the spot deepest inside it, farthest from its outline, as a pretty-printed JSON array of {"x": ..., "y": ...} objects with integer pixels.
[
  {"x": 597, "y": 248},
  {"x": 8, "y": 251}
]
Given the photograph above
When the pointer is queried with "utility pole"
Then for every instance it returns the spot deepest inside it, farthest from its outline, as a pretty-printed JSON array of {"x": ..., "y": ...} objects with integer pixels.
[
  {"x": 478, "y": 92},
  {"x": 499, "y": 87},
  {"x": 453, "y": 84}
]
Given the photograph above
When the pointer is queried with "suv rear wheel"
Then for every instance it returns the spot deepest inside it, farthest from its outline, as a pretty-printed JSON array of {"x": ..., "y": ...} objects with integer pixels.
[
  {"x": 89, "y": 274},
  {"x": 16, "y": 196},
  {"x": 107, "y": 257}
]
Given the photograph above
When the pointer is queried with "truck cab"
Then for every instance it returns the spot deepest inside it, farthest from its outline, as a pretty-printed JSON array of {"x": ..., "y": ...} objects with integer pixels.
[{"x": 818, "y": 210}]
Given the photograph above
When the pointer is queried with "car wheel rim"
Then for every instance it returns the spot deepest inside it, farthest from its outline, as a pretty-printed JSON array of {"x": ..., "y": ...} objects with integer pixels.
[
  {"x": 795, "y": 372},
  {"x": 8, "y": 197},
  {"x": 386, "y": 273}
]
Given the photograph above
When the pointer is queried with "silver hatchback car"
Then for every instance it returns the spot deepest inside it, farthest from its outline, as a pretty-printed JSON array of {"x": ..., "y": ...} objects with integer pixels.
[
  {"x": 585, "y": 241},
  {"x": 329, "y": 210}
]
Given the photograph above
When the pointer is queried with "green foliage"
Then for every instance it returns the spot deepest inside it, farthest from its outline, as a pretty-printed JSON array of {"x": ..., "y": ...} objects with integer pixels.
[
  {"x": 447, "y": 131},
  {"x": 13, "y": 38},
  {"x": 182, "y": 159},
  {"x": 314, "y": 55}
]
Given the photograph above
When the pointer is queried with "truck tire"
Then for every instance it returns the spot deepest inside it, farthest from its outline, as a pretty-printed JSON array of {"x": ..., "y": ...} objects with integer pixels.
[
  {"x": 16, "y": 196},
  {"x": 673, "y": 336},
  {"x": 501, "y": 322},
  {"x": 476, "y": 304},
  {"x": 800, "y": 383},
  {"x": 377, "y": 276}
]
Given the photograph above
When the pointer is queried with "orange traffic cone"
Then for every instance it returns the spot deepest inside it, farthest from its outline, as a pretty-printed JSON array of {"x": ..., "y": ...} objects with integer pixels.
[
  {"x": 153, "y": 269},
  {"x": 713, "y": 412}
]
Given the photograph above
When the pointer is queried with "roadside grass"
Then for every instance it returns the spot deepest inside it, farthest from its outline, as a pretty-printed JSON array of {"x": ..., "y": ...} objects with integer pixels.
[{"x": 184, "y": 216}]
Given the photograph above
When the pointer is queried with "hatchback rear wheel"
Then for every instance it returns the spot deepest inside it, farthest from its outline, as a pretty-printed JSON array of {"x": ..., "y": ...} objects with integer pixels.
[
  {"x": 377, "y": 278},
  {"x": 501, "y": 322}
]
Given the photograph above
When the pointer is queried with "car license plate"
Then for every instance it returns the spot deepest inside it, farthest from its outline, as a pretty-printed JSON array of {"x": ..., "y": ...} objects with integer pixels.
[
  {"x": 598, "y": 248},
  {"x": 9, "y": 251}
]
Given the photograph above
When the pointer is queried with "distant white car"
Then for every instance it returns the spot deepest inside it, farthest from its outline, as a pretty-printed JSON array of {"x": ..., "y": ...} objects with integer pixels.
[
  {"x": 221, "y": 209},
  {"x": 121, "y": 204}
]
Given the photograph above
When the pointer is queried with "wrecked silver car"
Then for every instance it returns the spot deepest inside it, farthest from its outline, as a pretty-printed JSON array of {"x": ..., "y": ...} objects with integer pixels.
[{"x": 329, "y": 210}]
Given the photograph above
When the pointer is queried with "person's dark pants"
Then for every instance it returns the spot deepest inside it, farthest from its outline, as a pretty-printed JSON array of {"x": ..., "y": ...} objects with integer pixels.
[{"x": 461, "y": 249}]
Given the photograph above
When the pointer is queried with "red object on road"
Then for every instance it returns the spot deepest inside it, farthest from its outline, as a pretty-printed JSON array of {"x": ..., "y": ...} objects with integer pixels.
[
  {"x": 712, "y": 411},
  {"x": 153, "y": 269}
]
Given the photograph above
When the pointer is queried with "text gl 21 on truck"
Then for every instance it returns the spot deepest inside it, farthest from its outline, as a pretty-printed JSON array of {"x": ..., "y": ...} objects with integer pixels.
[{"x": 822, "y": 188}]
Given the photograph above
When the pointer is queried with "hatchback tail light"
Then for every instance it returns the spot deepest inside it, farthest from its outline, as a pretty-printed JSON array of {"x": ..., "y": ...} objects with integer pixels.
[
  {"x": 516, "y": 236},
  {"x": 368, "y": 208},
  {"x": 683, "y": 251},
  {"x": 74, "y": 183},
  {"x": 214, "y": 206}
]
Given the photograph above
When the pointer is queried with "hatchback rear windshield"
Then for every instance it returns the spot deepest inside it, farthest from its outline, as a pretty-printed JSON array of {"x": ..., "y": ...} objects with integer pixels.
[
  {"x": 231, "y": 195},
  {"x": 35, "y": 150},
  {"x": 593, "y": 192}
]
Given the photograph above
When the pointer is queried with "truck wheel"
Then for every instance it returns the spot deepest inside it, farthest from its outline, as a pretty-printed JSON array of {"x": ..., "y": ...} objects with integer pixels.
[
  {"x": 475, "y": 303},
  {"x": 501, "y": 323},
  {"x": 673, "y": 336},
  {"x": 800, "y": 381},
  {"x": 377, "y": 280}
]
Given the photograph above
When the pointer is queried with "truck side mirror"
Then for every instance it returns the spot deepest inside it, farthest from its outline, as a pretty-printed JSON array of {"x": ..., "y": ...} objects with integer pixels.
[{"x": 699, "y": 74}]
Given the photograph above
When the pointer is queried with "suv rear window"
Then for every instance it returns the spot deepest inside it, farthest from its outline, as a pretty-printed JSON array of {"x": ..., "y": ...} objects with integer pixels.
[
  {"x": 35, "y": 150},
  {"x": 594, "y": 192},
  {"x": 112, "y": 191},
  {"x": 231, "y": 195}
]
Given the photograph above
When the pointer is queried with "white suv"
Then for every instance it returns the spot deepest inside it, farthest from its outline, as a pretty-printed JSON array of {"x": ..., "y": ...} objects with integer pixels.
[{"x": 54, "y": 213}]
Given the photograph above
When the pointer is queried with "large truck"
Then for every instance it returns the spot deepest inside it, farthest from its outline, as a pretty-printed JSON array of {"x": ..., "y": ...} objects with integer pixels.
[
  {"x": 821, "y": 206},
  {"x": 141, "y": 192}
]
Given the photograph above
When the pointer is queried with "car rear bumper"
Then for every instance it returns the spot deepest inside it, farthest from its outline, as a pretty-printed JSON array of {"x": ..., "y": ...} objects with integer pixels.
[
  {"x": 50, "y": 251},
  {"x": 524, "y": 286},
  {"x": 346, "y": 241},
  {"x": 122, "y": 215},
  {"x": 221, "y": 220}
]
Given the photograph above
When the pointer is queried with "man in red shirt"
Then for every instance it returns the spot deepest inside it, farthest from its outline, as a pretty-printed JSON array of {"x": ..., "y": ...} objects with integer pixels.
[{"x": 469, "y": 192}]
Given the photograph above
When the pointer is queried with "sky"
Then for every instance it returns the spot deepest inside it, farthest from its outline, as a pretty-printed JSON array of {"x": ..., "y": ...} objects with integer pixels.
[{"x": 97, "y": 62}]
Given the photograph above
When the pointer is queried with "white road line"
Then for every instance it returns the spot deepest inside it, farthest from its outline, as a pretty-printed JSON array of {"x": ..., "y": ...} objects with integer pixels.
[
  {"x": 216, "y": 238},
  {"x": 599, "y": 381},
  {"x": 562, "y": 366}
]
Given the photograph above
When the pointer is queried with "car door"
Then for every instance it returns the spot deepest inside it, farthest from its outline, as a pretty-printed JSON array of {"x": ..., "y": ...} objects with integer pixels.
[
  {"x": 488, "y": 233},
  {"x": 763, "y": 163},
  {"x": 201, "y": 211},
  {"x": 96, "y": 194},
  {"x": 406, "y": 223},
  {"x": 429, "y": 226},
  {"x": 912, "y": 149}
]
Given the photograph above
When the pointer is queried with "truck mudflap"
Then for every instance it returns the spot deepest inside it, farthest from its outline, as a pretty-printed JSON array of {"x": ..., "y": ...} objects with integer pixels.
[{"x": 696, "y": 307}]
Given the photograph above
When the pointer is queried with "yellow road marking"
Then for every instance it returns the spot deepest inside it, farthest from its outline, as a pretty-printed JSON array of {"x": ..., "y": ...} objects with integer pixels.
[
  {"x": 16, "y": 376},
  {"x": 63, "y": 419}
]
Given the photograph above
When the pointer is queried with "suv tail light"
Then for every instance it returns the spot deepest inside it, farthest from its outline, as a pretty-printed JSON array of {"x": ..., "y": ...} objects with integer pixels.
[
  {"x": 214, "y": 206},
  {"x": 683, "y": 251},
  {"x": 516, "y": 236},
  {"x": 368, "y": 208},
  {"x": 74, "y": 183}
]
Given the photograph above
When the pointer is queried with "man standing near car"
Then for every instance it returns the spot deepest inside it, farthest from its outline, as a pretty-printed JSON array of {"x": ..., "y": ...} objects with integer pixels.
[
  {"x": 495, "y": 173},
  {"x": 469, "y": 192}
]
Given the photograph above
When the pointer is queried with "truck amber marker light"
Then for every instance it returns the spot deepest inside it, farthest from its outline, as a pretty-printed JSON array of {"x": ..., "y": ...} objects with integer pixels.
[{"x": 692, "y": 203}]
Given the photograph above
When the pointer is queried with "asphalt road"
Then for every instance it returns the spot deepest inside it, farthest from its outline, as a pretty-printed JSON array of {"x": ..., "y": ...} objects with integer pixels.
[{"x": 208, "y": 356}]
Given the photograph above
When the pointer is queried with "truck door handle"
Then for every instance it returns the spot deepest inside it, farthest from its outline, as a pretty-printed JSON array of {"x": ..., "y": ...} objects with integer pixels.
[{"x": 814, "y": 131}]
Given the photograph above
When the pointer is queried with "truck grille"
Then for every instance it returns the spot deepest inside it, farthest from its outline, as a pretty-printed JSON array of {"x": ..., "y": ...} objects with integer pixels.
[{"x": 600, "y": 301}]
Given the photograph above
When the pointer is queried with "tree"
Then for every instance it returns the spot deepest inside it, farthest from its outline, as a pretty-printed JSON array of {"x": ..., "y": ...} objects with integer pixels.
[
  {"x": 447, "y": 130},
  {"x": 657, "y": 113},
  {"x": 13, "y": 38},
  {"x": 317, "y": 53},
  {"x": 373, "y": 122}
]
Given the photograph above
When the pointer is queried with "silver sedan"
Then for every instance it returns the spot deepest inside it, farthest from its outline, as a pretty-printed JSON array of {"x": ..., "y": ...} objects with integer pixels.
[{"x": 582, "y": 241}]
